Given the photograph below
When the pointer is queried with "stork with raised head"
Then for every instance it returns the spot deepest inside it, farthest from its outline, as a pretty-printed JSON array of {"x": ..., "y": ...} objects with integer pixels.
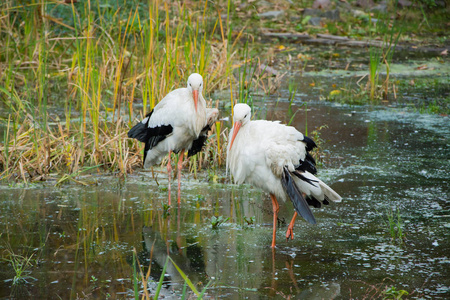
[
  {"x": 275, "y": 158},
  {"x": 176, "y": 124}
]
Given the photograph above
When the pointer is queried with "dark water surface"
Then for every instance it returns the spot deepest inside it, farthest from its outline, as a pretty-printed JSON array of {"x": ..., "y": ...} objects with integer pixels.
[{"x": 383, "y": 161}]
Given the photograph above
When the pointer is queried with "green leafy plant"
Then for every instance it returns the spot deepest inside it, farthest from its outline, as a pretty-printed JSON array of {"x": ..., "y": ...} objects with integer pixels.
[
  {"x": 393, "y": 293},
  {"x": 166, "y": 210},
  {"x": 383, "y": 290},
  {"x": 216, "y": 222},
  {"x": 200, "y": 198},
  {"x": 250, "y": 221}
]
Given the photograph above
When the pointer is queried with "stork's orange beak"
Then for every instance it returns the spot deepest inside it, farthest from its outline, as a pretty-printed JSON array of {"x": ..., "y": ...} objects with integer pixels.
[
  {"x": 195, "y": 95},
  {"x": 236, "y": 127}
]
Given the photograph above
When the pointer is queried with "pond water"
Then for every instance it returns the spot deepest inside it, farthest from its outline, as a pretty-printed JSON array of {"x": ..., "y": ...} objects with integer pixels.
[{"x": 384, "y": 162}]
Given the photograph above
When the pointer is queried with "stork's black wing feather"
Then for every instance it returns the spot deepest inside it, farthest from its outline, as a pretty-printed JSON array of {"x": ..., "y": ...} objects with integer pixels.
[
  {"x": 309, "y": 164},
  {"x": 198, "y": 144},
  {"x": 299, "y": 202},
  {"x": 139, "y": 131},
  {"x": 157, "y": 134},
  {"x": 310, "y": 144},
  {"x": 151, "y": 136}
]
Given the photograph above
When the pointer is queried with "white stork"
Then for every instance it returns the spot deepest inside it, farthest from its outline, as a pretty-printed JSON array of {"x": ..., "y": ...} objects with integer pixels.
[
  {"x": 179, "y": 122},
  {"x": 275, "y": 158}
]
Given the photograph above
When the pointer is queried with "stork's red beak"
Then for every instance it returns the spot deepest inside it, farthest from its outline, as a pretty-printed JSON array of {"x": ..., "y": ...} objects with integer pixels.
[
  {"x": 236, "y": 127},
  {"x": 195, "y": 95}
]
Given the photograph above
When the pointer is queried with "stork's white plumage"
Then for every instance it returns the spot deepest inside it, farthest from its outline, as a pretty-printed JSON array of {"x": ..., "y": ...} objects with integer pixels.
[
  {"x": 275, "y": 158},
  {"x": 177, "y": 123}
]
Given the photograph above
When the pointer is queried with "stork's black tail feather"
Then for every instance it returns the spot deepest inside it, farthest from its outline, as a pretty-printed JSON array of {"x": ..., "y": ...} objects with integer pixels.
[
  {"x": 299, "y": 202},
  {"x": 308, "y": 180},
  {"x": 312, "y": 201}
]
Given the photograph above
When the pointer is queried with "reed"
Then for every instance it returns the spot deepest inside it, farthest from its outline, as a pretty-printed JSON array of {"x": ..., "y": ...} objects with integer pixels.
[
  {"x": 96, "y": 62},
  {"x": 292, "y": 91},
  {"x": 395, "y": 226},
  {"x": 389, "y": 34}
]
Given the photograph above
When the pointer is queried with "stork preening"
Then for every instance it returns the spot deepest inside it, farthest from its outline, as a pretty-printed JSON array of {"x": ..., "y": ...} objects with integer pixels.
[
  {"x": 179, "y": 122},
  {"x": 275, "y": 158}
]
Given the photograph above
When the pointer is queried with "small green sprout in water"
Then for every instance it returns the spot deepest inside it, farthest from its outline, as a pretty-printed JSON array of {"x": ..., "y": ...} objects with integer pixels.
[
  {"x": 212, "y": 176},
  {"x": 21, "y": 266},
  {"x": 250, "y": 221},
  {"x": 395, "y": 224},
  {"x": 393, "y": 293},
  {"x": 217, "y": 221},
  {"x": 166, "y": 210},
  {"x": 200, "y": 198}
]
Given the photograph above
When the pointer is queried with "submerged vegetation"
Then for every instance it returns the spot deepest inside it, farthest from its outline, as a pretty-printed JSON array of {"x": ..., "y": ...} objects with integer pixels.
[{"x": 384, "y": 290}]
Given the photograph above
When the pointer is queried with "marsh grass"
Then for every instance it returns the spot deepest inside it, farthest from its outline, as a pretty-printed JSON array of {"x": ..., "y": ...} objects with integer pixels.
[
  {"x": 97, "y": 61},
  {"x": 394, "y": 224},
  {"x": 389, "y": 31},
  {"x": 21, "y": 266}
]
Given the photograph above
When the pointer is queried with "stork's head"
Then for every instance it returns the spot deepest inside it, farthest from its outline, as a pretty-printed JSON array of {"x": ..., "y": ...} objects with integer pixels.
[
  {"x": 242, "y": 115},
  {"x": 195, "y": 86}
]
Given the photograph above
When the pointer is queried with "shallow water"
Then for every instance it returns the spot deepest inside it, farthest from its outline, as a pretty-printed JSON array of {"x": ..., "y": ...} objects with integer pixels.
[{"x": 380, "y": 159}]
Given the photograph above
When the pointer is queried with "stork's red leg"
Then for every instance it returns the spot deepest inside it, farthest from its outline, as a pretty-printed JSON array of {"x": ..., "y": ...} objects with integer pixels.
[
  {"x": 180, "y": 165},
  {"x": 290, "y": 230},
  {"x": 275, "y": 208},
  {"x": 169, "y": 174}
]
